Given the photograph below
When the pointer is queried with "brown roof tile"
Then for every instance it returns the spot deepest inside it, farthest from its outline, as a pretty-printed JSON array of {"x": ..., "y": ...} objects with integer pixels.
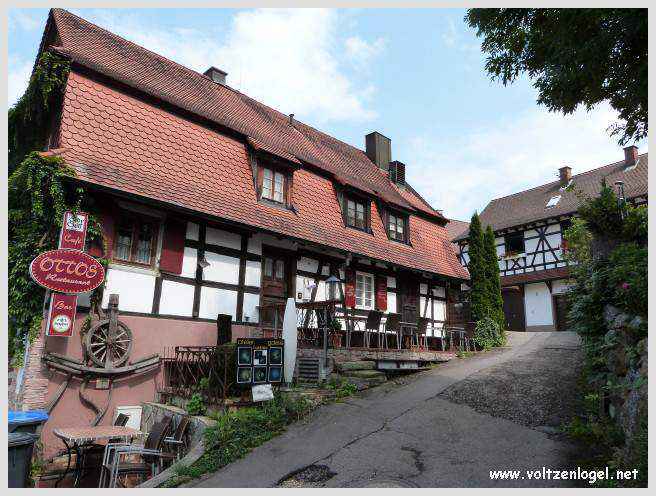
[{"x": 122, "y": 142}]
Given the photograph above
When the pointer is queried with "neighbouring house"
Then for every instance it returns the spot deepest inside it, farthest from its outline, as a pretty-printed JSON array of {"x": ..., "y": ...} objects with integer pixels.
[
  {"x": 213, "y": 203},
  {"x": 455, "y": 228},
  {"x": 529, "y": 236}
]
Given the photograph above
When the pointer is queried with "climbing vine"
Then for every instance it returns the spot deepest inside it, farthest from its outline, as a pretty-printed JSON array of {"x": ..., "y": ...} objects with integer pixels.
[
  {"x": 40, "y": 190},
  {"x": 30, "y": 119}
]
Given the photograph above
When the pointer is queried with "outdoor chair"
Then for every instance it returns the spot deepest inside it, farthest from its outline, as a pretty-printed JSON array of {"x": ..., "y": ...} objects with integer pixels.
[
  {"x": 96, "y": 450},
  {"x": 420, "y": 334},
  {"x": 178, "y": 442},
  {"x": 372, "y": 325},
  {"x": 149, "y": 456},
  {"x": 393, "y": 326}
]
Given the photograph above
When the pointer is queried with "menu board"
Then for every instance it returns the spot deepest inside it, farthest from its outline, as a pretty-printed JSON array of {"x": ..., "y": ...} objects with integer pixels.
[{"x": 260, "y": 360}]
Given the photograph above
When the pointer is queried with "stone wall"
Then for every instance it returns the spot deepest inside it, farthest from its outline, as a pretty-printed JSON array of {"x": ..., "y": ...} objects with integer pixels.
[{"x": 626, "y": 360}]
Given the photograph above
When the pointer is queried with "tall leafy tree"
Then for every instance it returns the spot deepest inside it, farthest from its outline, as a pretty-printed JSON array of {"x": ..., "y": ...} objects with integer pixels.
[
  {"x": 574, "y": 57},
  {"x": 493, "y": 278},
  {"x": 480, "y": 303}
]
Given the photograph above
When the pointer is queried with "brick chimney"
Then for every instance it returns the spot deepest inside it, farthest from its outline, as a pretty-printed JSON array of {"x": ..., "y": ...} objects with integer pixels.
[
  {"x": 630, "y": 155},
  {"x": 397, "y": 172},
  {"x": 565, "y": 175},
  {"x": 216, "y": 75},
  {"x": 379, "y": 149}
]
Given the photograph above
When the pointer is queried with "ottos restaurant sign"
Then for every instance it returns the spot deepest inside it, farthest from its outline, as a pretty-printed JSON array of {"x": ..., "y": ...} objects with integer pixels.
[{"x": 67, "y": 271}]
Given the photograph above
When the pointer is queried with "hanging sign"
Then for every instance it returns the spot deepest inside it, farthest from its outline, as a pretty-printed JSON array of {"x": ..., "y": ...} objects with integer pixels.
[
  {"x": 74, "y": 230},
  {"x": 67, "y": 271},
  {"x": 62, "y": 315}
]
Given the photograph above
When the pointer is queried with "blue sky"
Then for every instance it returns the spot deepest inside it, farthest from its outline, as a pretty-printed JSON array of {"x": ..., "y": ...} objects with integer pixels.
[{"x": 415, "y": 75}]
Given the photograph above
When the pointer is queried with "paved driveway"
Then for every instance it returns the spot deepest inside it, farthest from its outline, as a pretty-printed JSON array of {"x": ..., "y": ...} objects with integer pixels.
[{"x": 447, "y": 427}]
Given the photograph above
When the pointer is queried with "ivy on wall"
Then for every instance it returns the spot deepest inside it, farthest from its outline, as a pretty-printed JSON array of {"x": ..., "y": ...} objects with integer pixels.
[
  {"x": 31, "y": 117},
  {"x": 40, "y": 190}
]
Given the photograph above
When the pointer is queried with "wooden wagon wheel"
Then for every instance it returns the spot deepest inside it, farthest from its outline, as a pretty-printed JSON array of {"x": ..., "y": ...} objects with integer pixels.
[{"x": 109, "y": 350}]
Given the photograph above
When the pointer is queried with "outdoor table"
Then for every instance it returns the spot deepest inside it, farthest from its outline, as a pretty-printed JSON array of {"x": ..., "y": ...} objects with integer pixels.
[{"x": 75, "y": 438}]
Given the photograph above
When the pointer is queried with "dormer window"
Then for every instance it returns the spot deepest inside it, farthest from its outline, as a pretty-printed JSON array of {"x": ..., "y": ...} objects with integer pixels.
[
  {"x": 273, "y": 185},
  {"x": 356, "y": 212},
  {"x": 397, "y": 227},
  {"x": 553, "y": 201}
]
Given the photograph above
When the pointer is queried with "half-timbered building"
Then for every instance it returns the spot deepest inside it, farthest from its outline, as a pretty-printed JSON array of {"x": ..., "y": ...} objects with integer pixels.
[
  {"x": 213, "y": 203},
  {"x": 529, "y": 237}
]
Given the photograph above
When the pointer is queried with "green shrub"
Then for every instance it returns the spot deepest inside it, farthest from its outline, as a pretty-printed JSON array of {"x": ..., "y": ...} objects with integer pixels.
[
  {"x": 196, "y": 405},
  {"x": 488, "y": 334},
  {"x": 627, "y": 278}
]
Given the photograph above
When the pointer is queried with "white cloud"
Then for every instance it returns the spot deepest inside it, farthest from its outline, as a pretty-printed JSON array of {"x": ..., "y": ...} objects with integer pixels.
[
  {"x": 361, "y": 52},
  {"x": 463, "y": 173},
  {"x": 23, "y": 19},
  {"x": 288, "y": 59},
  {"x": 17, "y": 78},
  {"x": 459, "y": 39}
]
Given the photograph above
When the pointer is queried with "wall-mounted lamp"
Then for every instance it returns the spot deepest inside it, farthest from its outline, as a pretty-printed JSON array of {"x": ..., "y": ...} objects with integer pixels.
[{"x": 203, "y": 263}]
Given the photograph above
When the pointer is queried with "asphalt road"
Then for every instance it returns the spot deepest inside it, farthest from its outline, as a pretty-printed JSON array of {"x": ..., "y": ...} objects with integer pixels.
[{"x": 435, "y": 430}]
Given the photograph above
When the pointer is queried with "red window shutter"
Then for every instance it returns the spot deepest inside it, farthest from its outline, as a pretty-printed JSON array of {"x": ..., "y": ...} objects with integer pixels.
[
  {"x": 381, "y": 293},
  {"x": 349, "y": 289},
  {"x": 106, "y": 219},
  {"x": 173, "y": 246}
]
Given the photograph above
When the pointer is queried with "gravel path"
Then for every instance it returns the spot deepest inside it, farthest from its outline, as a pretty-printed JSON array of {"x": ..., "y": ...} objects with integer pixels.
[{"x": 537, "y": 389}]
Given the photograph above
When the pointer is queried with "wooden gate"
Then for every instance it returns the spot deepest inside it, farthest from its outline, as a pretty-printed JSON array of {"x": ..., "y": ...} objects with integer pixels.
[
  {"x": 561, "y": 308},
  {"x": 513, "y": 308}
]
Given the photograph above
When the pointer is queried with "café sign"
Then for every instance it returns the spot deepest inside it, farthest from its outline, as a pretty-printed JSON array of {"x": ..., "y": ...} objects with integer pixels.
[{"x": 67, "y": 271}]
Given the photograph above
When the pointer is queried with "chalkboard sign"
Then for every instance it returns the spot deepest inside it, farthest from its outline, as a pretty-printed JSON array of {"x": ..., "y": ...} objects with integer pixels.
[{"x": 260, "y": 360}]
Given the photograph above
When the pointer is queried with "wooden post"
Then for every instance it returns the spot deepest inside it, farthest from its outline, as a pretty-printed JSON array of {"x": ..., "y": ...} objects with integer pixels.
[{"x": 224, "y": 328}]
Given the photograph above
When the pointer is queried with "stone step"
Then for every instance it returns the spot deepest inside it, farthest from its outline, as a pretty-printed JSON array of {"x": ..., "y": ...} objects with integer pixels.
[
  {"x": 357, "y": 365},
  {"x": 364, "y": 374},
  {"x": 362, "y": 384}
]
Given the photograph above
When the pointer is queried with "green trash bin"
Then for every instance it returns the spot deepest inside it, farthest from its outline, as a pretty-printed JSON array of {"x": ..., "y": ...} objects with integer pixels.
[{"x": 21, "y": 446}]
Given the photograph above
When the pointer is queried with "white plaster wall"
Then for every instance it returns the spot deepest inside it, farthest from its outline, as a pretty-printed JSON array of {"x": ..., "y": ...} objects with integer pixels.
[
  {"x": 214, "y": 301},
  {"x": 255, "y": 245},
  {"x": 391, "y": 302},
  {"x": 253, "y": 273},
  {"x": 537, "y": 301},
  {"x": 177, "y": 299},
  {"x": 192, "y": 231},
  {"x": 308, "y": 264},
  {"x": 553, "y": 228},
  {"x": 439, "y": 292},
  {"x": 135, "y": 289},
  {"x": 223, "y": 238},
  {"x": 439, "y": 310},
  {"x": 222, "y": 268},
  {"x": 189, "y": 262},
  {"x": 424, "y": 310},
  {"x": 278, "y": 243},
  {"x": 391, "y": 282},
  {"x": 250, "y": 311},
  {"x": 531, "y": 245},
  {"x": 84, "y": 299},
  {"x": 423, "y": 288}
]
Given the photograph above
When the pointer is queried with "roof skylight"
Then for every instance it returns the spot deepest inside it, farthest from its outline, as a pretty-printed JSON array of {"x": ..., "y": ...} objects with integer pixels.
[{"x": 553, "y": 201}]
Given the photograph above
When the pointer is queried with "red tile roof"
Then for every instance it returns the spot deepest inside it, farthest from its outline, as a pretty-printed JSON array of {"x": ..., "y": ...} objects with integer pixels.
[
  {"x": 117, "y": 140},
  {"x": 531, "y": 205},
  {"x": 456, "y": 227},
  {"x": 124, "y": 61}
]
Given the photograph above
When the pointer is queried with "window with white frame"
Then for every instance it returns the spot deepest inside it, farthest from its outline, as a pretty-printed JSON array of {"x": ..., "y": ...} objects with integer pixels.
[
  {"x": 273, "y": 185},
  {"x": 364, "y": 291}
]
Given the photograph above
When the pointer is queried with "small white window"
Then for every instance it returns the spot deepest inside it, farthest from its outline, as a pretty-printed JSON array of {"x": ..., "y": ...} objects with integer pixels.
[
  {"x": 553, "y": 201},
  {"x": 364, "y": 291}
]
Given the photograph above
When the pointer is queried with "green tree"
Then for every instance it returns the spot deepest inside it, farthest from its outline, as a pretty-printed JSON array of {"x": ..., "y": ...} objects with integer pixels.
[
  {"x": 493, "y": 279},
  {"x": 574, "y": 57},
  {"x": 480, "y": 302}
]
